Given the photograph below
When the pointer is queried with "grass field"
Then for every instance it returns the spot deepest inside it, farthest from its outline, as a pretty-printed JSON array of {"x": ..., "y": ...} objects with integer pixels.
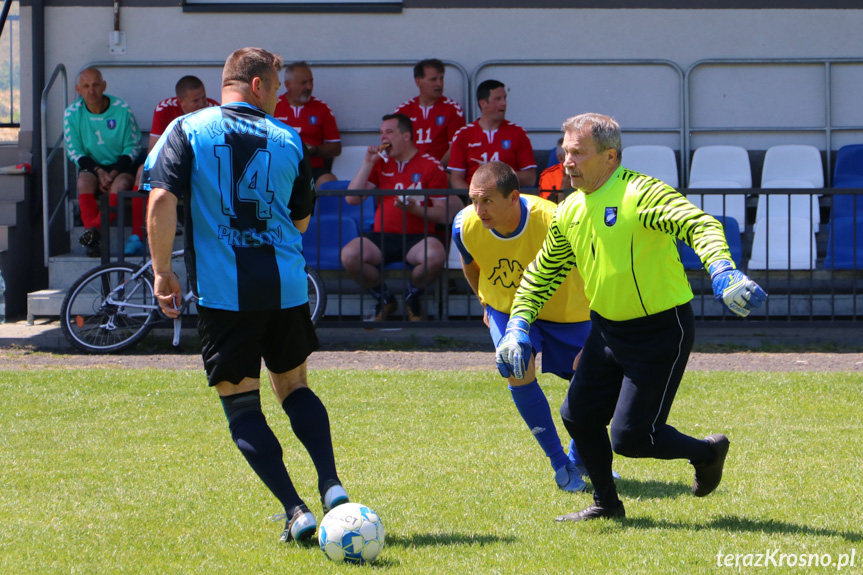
[{"x": 134, "y": 472}]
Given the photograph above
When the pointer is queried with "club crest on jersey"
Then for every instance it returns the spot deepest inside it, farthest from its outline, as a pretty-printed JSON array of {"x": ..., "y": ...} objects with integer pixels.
[
  {"x": 313, "y": 120},
  {"x": 440, "y": 120},
  {"x": 112, "y": 124},
  {"x": 610, "y": 216},
  {"x": 506, "y": 144},
  {"x": 415, "y": 178}
]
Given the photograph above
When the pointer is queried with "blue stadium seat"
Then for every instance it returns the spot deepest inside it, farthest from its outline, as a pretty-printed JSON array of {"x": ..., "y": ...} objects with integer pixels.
[
  {"x": 363, "y": 214},
  {"x": 848, "y": 173},
  {"x": 324, "y": 240},
  {"x": 690, "y": 259},
  {"x": 841, "y": 243},
  {"x": 552, "y": 158}
]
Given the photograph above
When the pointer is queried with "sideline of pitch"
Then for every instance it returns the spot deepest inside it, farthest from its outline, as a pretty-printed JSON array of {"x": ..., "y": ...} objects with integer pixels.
[{"x": 47, "y": 335}]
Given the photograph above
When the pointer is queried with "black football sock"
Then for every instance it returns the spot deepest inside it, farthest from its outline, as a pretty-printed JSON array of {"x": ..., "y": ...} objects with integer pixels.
[
  {"x": 259, "y": 446},
  {"x": 311, "y": 425}
]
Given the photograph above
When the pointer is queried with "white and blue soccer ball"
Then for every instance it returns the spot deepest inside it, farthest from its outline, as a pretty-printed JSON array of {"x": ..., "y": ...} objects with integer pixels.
[{"x": 352, "y": 533}]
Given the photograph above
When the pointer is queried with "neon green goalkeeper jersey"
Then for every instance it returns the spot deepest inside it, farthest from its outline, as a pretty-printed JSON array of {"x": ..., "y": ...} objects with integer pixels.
[
  {"x": 105, "y": 137},
  {"x": 624, "y": 238}
]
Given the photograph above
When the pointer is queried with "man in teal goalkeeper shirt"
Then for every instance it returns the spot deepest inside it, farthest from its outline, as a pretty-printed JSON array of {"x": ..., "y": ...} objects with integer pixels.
[
  {"x": 102, "y": 138},
  {"x": 620, "y": 229}
]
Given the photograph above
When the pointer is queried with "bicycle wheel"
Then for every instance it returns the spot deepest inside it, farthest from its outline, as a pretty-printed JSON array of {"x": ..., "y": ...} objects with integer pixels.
[
  {"x": 107, "y": 311},
  {"x": 317, "y": 295}
]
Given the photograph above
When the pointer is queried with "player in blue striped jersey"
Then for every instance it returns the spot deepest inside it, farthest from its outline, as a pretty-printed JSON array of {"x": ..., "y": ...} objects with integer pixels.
[{"x": 248, "y": 192}]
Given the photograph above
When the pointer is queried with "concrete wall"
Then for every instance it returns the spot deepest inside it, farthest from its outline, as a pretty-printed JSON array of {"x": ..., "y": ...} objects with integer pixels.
[{"x": 78, "y": 35}]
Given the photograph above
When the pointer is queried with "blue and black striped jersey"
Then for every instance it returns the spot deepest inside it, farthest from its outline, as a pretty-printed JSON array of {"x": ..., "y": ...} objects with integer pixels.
[{"x": 244, "y": 178}]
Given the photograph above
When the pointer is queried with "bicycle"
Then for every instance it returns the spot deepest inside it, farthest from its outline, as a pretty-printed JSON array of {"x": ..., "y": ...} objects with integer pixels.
[{"x": 113, "y": 306}]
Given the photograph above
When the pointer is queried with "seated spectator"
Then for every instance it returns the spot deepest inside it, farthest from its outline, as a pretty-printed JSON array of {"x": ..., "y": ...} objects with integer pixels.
[
  {"x": 491, "y": 139},
  {"x": 553, "y": 180},
  {"x": 404, "y": 228},
  {"x": 103, "y": 140},
  {"x": 435, "y": 117},
  {"x": 311, "y": 118},
  {"x": 190, "y": 96}
]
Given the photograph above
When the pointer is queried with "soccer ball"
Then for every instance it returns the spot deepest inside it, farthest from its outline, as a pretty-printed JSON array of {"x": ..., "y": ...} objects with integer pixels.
[{"x": 352, "y": 533}]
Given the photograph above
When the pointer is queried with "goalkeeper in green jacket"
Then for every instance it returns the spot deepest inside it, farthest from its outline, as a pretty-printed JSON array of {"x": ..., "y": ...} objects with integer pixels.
[{"x": 620, "y": 230}]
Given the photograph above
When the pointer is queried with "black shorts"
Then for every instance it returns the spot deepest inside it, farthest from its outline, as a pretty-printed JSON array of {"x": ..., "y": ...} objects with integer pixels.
[
  {"x": 233, "y": 343},
  {"x": 395, "y": 247}
]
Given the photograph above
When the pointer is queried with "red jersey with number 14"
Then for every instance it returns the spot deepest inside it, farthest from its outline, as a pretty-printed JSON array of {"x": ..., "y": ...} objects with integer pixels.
[
  {"x": 434, "y": 126},
  {"x": 166, "y": 112},
  {"x": 421, "y": 172},
  {"x": 314, "y": 121},
  {"x": 474, "y": 146}
]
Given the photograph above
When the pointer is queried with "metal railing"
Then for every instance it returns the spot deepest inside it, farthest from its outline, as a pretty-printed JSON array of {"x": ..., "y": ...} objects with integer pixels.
[{"x": 49, "y": 213}]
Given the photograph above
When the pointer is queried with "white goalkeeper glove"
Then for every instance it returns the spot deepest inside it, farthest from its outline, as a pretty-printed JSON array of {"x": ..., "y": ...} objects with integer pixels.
[
  {"x": 514, "y": 349},
  {"x": 736, "y": 291}
]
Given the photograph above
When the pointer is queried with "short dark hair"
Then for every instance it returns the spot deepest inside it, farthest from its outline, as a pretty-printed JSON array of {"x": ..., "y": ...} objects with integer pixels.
[
  {"x": 405, "y": 124},
  {"x": 187, "y": 83},
  {"x": 498, "y": 175},
  {"x": 485, "y": 88},
  {"x": 420, "y": 68},
  {"x": 247, "y": 63}
]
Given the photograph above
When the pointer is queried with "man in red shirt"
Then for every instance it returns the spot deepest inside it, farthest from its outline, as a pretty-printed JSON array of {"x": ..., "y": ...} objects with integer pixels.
[
  {"x": 191, "y": 96},
  {"x": 491, "y": 139},
  {"x": 435, "y": 117},
  {"x": 311, "y": 118},
  {"x": 404, "y": 228}
]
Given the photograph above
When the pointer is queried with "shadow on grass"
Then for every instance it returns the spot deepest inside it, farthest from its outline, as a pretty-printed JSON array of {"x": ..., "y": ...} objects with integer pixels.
[
  {"x": 437, "y": 539},
  {"x": 651, "y": 489},
  {"x": 743, "y": 524}
]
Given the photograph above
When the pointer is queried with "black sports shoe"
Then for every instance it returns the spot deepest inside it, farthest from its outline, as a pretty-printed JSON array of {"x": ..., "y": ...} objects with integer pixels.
[
  {"x": 595, "y": 511},
  {"x": 300, "y": 527},
  {"x": 90, "y": 238},
  {"x": 708, "y": 475}
]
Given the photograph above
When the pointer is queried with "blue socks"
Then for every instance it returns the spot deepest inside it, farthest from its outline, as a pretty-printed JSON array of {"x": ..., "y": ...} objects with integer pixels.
[
  {"x": 533, "y": 407},
  {"x": 259, "y": 446},
  {"x": 573, "y": 454}
]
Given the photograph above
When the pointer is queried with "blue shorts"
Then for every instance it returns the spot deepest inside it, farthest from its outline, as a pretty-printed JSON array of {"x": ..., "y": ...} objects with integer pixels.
[{"x": 559, "y": 342}]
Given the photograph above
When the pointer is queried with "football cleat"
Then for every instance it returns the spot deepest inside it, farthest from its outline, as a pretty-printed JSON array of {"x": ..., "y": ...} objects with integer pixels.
[
  {"x": 90, "y": 238},
  {"x": 708, "y": 475},
  {"x": 595, "y": 511},
  {"x": 334, "y": 495},
  {"x": 569, "y": 479},
  {"x": 300, "y": 527}
]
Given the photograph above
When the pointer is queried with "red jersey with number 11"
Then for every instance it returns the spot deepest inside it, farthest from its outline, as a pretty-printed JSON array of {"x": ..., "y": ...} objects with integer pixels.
[{"x": 434, "y": 126}]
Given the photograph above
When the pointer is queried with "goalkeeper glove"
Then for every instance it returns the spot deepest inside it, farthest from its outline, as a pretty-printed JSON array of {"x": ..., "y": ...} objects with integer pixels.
[
  {"x": 514, "y": 349},
  {"x": 731, "y": 287}
]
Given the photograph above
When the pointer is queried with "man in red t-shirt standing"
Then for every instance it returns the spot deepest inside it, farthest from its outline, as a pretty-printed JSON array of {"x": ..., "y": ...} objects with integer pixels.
[
  {"x": 404, "y": 228},
  {"x": 311, "y": 118},
  {"x": 491, "y": 139},
  {"x": 435, "y": 117}
]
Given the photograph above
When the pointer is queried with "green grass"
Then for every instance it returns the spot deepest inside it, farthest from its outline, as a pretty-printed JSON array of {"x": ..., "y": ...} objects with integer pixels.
[{"x": 134, "y": 472}]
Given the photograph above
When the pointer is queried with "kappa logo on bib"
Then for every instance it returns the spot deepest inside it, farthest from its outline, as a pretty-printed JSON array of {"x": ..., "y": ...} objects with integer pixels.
[{"x": 610, "y": 216}]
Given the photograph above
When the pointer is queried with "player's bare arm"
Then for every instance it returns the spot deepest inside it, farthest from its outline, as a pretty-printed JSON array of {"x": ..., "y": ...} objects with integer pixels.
[{"x": 161, "y": 227}]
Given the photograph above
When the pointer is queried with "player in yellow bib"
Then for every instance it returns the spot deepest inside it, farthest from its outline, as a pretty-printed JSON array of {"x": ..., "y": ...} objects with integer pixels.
[
  {"x": 498, "y": 235},
  {"x": 620, "y": 228}
]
